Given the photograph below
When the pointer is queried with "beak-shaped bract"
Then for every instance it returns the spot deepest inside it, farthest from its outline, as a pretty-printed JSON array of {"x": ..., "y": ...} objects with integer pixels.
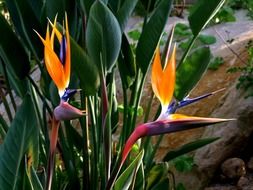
[
  {"x": 64, "y": 111},
  {"x": 174, "y": 123},
  {"x": 58, "y": 67}
]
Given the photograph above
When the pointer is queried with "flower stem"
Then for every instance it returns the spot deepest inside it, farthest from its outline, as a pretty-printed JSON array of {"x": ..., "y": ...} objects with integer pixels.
[{"x": 53, "y": 142}]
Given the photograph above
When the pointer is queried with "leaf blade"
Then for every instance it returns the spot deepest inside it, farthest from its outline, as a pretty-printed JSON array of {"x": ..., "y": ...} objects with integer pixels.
[
  {"x": 189, "y": 73},
  {"x": 15, "y": 144},
  {"x": 151, "y": 35},
  {"x": 103, "y": 36}
]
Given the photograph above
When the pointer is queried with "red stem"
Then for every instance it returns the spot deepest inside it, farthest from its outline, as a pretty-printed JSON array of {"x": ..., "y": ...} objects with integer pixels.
[{"x": 53, "y": 142}]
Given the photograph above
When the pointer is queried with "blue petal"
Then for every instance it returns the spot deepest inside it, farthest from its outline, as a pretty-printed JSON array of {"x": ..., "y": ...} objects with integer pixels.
[
  {"x": 63, "y": 50},
  {"x": 68, "y": 93}
]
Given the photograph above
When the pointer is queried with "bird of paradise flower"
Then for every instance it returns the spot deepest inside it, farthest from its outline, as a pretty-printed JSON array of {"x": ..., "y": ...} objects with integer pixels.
[
  {"x": 59, "y": 68},
  {"x": 163, "y": 85}
]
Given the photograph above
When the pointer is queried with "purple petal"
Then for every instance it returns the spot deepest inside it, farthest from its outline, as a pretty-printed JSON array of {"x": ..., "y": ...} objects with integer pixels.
[{"x": 63, "y": 50}]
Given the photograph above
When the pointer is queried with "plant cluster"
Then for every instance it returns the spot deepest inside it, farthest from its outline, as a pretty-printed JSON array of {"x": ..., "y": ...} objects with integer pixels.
[
  {"x": 61, "y": 135},
  {"x": 245, "y": 80}
]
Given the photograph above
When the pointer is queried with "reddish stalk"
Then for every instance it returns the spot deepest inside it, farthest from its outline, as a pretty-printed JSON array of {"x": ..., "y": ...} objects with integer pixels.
[{"x": 53, "y": 142}]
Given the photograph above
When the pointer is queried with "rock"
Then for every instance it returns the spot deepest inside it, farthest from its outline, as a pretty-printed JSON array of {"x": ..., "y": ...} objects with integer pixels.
[
  {"x": 233, "y": 138},
  {"x": 250, "y": 163},
  {"x": 242, "y": 182},
  {"x": 221, "y": 187},
  {"x": 233, "y": 168}
]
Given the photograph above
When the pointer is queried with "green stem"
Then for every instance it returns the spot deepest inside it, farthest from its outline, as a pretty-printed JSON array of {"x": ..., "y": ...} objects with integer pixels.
[
  {"x": 94, "y": 147},
  {"x": 85, "y": 133},
  {"x": 125, "y": 117},
  {"x": 137, "y": 101},
  {"x": 152, "y": 155},
  {"x": 147, "y": 111},
  {"x": 132, "y": 103},
  {"x": 44, "y": 126},
  {"x": 40, "y": 94}
]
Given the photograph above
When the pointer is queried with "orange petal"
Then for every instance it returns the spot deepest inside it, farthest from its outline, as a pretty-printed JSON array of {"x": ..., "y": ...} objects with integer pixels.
[
  {"x": 68, "y": 59},
  {"x": 55, "y": 30},
  {"x": 168, "y": 79},
  {"x": 53, "y": 64},
  {"x": 163, "y": 81},
  {"x": 156, "y": 75}
]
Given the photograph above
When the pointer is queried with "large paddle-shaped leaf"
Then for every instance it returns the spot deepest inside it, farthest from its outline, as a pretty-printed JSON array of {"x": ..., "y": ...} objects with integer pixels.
[
  {"x": 103, "y": 36},
  {"x": 12, "y": 51},
  {"x": 16, "y": 144},
  {"x": 85, "y": 68},
  {"x": 125, "y": 12},
  {"x": 151, "y": 34},
  {"x": 189, "y": 73}
]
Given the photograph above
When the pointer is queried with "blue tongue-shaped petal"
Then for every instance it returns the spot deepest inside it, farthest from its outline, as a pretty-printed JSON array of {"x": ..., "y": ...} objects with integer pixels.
[
  {"x": 174, "y": 105},
  {"x": 68, "y": 94},
  {"x": 63, "y": 50}
]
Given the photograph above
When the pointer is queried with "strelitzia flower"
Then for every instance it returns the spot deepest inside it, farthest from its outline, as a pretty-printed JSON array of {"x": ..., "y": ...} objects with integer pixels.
[
  {"x": 59, "y": 68},
  {"x": 163, "y": 84}
]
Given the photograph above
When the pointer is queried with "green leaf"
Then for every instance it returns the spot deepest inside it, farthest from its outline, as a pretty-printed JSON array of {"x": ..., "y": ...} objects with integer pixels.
[
  {"x": 134, "y": 34},
  {"x": 162, "y": 184},
  {"x": 226, "y": 14},
  {"x": 188, "y": 148},
  {"x": 19, "y": 86},
  {"x": 183, "y": 163},
  {"x": 202, "y": 13},
  {"x": 126, "y": 63},
  {"x": 37, "y": 7},
  {"x": 207, "y": 39},
  {"x": 16, "y": 144},
  {"x": 156, "y": 175},
  {"x": 151, "y": 34},
  {"x": 35, "y": 180},
  {"x": 103, "y": 36},
  {"x": 12, "y": 51},
  {"x": 182, "y": 31},
  {"x": 215, "y": 63},
  {"x": 86, "y": 4},
  {"x": 189, "y": 73},
  {"x": 86, "y": 70},
  {"x": 25, "y": 22},
  {"x": 125, "y": 179},
  {"x": 55, "y": 7},
  {"x": 180, "y": 186},
  {"x": 125, "y": 12}
]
